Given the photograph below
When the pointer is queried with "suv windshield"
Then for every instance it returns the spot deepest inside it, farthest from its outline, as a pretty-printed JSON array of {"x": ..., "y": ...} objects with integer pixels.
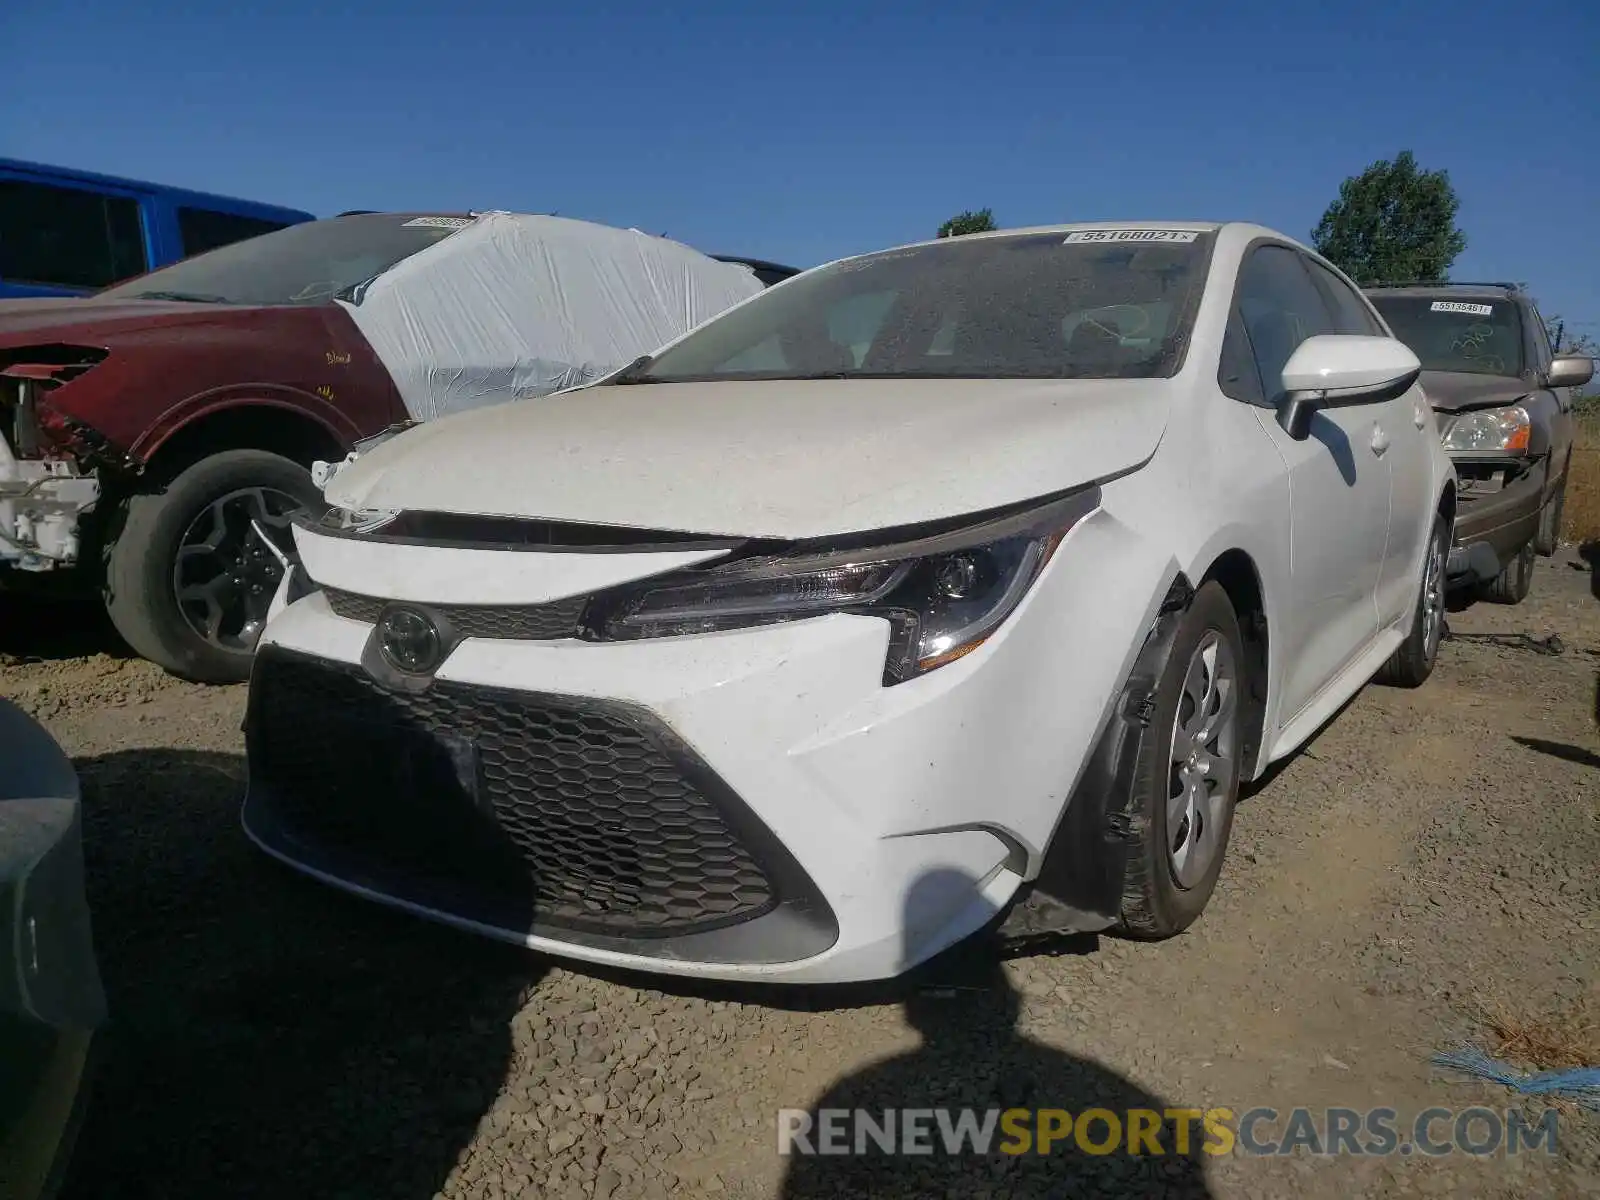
[
  {"x": 308, "y": 263},
  {"x": 1090, "y": 304},
  {"x": 1480, "y": 335}
]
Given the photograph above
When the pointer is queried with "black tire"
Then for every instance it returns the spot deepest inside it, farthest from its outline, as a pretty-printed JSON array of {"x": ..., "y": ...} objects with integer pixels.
[
  {"x": 142, "y": 561},
  {"x": 1155, "y": 903},
  {"x": 1411, "y": 664},
  {"x": 1549, "y": 535},
  {"x": 1514, "y": 583}
]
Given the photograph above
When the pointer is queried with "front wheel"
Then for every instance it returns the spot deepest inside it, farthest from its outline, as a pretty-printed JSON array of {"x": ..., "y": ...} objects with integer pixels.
[
  {"x": 1188, "y": 772},
  {"x": 1549, "y": 535},
  {"x": 188, "y": 577},
  {"x": 1514, "y": 583},
  {"x": 1411, "y": 664}
]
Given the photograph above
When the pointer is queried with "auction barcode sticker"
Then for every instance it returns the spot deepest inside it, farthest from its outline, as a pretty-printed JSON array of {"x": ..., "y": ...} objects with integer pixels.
[
  {"x": 1459, "y": 306},
  {"x": 438, "y": 222},
  {"x": 1131, "y": 235}
]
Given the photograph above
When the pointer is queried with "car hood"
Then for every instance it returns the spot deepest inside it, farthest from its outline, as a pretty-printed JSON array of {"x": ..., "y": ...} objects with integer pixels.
[
  {"x": 1457, "y": 391},
  {"x": 86, "y": 318},
  {"x": 781, "y": 459}
]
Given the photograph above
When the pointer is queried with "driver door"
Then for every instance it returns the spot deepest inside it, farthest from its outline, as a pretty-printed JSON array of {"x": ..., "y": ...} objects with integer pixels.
[{"x": 1338, "y": 520}]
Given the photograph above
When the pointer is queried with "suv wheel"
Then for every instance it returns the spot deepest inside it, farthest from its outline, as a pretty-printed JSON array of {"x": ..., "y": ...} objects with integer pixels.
[
  {"x": 1549, "y": 535},
  {"x": 1514, "y": 583},
  {"x": 188, "y": 578}
]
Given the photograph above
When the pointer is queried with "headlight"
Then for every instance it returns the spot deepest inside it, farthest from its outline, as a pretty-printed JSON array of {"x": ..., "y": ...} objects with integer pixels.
[
  {"x": 943, "y": 596},
  {"x": 357, "y": 520},
  {"x": 1490, "y": 431}
]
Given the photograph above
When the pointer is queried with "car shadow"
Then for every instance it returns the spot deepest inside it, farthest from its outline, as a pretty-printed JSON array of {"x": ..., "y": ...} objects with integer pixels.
[
  {"x": 39, "y": 627},
  {"x": 971, "y": 1057},
  {"x": 270, "y": 1037}
]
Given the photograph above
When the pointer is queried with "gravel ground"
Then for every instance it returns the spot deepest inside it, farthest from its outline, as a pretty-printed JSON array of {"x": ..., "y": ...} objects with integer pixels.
[{"x": 1429, "y": 857}]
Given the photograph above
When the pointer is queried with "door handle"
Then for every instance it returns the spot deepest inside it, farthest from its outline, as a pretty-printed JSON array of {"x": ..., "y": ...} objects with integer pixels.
[{"x": 1380, "y": 439}]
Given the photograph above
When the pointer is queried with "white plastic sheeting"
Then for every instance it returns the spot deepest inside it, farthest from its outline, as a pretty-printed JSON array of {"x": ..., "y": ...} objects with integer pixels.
[{"x": 515, "y": 306}]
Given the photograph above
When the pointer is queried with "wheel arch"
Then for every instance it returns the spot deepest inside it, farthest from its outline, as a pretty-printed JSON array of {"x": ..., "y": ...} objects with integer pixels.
[
  {"x": 279, "y": 429},
  {"x": 1238, "y": 575}
]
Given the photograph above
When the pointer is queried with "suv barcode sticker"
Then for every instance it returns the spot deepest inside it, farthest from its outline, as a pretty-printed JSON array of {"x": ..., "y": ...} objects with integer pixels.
[
  {"x": 1131, "y": 235},
  {"x": 1458, "y": 306}
]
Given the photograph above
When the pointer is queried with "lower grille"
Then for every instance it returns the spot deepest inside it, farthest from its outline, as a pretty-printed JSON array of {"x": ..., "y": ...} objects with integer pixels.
[
  {"x": 525, "y": 622},
  {"x": 580, "y": 815}
]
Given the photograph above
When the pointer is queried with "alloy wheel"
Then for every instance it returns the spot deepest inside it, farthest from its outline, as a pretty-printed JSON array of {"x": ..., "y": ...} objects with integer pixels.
[
  {"x": 1205, "y": 744},
  {"x": 225, "y": 576}
]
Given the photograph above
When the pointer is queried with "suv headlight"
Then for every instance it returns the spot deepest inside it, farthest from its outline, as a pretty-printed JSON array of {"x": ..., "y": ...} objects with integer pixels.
[
  {"x": 943, "y": 596},
  {"x": 1490, "y": 431}
]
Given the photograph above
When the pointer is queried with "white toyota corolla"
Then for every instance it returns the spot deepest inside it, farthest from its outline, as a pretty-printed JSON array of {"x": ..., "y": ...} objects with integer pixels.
[{"x": 949, "y": 587}]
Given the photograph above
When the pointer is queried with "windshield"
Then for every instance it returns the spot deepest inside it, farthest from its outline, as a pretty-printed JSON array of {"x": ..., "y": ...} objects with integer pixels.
[
  {"x": 1480, "y": 336},
  {"x": 308, "y": 263},
  {"x": 1055, "y": 306}
]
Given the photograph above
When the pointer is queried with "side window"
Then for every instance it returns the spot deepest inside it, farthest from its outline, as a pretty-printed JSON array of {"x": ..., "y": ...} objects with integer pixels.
[
  {"x": 205, "y": 229},
  {"x": 68, "y": 237},
  {"x": 1281, "y": 308},
  {"x": 1350, "y": 314},
  {"x": 1236, "y": 375}
]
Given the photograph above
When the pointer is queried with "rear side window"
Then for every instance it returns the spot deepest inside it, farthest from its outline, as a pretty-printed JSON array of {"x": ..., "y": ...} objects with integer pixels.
[
  {"x": 68, "y": 237},
  {"x": 205, "y": 229}
]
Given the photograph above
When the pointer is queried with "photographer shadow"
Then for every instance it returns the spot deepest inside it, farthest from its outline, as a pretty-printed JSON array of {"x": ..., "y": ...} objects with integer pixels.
[{"x": 972, "y": 1056}]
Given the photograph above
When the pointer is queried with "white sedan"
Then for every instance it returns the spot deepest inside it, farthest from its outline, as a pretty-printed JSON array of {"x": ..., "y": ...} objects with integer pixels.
[{"x": 952, "y": 587}]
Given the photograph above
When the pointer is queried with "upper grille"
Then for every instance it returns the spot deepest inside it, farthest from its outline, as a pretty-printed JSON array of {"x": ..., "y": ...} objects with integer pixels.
[
  {"x": 524, "y": 622},
  {"x": 579, "y": 816}
]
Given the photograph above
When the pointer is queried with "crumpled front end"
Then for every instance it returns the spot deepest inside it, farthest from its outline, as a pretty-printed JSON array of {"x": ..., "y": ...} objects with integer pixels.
[{"x": 48, "y": 460}]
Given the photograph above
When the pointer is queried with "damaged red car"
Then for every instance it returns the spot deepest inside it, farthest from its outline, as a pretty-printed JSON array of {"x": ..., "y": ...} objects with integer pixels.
[{"x": 156, "y": 437}]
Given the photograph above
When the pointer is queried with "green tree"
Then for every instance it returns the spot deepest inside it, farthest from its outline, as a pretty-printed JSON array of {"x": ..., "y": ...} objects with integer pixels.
[
  {"x": 981, "y": 221},
  {"x": 1393, "y": 222}
]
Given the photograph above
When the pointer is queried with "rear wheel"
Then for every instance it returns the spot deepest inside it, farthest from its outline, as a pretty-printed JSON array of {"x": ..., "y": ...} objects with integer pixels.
[
  {"x": 1514, "y": 583},
  {"x": 1411, "y": 664},
  {"x": 1188, "y": 772},
  {"x": 188, "y": 577}
]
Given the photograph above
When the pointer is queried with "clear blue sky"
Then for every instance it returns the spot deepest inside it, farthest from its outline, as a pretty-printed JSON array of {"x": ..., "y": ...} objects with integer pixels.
[{"x": 801, "y": 132}]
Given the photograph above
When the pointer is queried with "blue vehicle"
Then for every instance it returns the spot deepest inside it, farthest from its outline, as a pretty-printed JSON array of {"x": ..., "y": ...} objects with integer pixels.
[{"x": 69, "y": 233}]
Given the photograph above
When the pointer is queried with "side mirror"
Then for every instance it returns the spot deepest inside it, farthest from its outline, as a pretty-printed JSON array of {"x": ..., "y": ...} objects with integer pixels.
[
  {"x": 1569, "y": 370},
  {"x": 1336, "y": 370}
]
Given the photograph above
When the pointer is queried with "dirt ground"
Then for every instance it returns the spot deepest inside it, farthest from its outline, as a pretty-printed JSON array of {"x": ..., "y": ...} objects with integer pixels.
[{"x": 1429, "y": 861}]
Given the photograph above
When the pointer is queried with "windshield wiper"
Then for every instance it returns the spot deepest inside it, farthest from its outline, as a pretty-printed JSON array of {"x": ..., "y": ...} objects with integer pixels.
[{"x": 186, "y": 297}]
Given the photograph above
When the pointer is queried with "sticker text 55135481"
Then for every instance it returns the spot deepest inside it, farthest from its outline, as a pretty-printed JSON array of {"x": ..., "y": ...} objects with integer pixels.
[{"x": 1461, "y": 306}]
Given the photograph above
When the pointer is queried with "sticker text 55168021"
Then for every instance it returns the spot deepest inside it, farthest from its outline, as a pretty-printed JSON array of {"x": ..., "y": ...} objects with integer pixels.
[
  {"x": 1130, "y": 235},
  {"x": 1460, "y": 306}
]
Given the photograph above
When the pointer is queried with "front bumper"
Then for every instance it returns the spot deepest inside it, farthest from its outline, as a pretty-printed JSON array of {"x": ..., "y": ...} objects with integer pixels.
[
  {"x": 1493, "y": 525},
  {"x": 746, "y": 805}
]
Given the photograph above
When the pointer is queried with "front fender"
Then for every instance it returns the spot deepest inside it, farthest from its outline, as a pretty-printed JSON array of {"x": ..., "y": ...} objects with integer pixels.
[{"x": 1079, "y": 885}]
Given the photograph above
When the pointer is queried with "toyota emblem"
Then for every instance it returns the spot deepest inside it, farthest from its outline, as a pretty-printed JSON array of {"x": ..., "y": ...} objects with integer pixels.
[{"x": 409, "y": 641}]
